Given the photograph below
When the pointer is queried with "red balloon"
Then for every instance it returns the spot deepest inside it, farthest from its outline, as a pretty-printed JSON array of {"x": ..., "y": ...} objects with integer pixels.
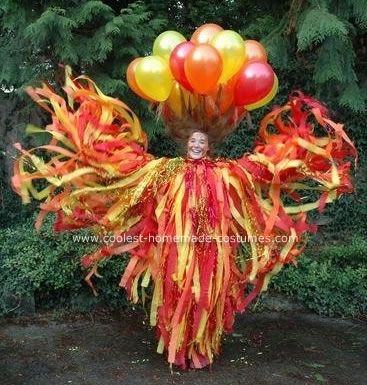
[
  {"x": 177, "y": 63},
  {"x": 254, "y": 82},
  {"x": 205, "y": 32},
  {"x": 203, "y": 67}
]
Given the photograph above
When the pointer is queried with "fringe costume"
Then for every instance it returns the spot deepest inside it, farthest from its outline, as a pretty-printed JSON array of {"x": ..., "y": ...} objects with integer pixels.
[{"x": 187, "y": 218}]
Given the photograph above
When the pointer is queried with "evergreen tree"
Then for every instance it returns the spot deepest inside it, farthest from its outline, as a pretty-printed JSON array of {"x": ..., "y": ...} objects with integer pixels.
[
  {"x": 91, "y": 36},
  {"x": 317, "y": 40}
]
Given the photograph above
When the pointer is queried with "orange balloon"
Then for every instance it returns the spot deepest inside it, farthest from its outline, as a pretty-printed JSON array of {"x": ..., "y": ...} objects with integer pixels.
[
  {"x": 205, "y": 32},
  {"x": 255, "y": 51},
  {"x": 131, "y": 81},
  {"x": 203, "y": 67}
]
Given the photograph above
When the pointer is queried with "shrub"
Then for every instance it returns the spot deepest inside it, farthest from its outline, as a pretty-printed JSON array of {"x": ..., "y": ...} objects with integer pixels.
[
  {"x": 331, "y": 280},
  {"x": 46, "y": 265}
]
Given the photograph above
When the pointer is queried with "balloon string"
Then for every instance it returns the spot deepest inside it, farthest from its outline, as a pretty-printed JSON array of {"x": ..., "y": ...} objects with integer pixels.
[{"x": 249, "y": 120}]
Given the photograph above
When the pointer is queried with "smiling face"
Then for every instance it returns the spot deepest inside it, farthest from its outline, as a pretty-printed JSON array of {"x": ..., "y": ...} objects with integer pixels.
[{"x": 197, "y": 145}]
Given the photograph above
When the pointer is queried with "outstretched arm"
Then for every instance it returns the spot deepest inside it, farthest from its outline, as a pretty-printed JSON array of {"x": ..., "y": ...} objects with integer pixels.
[
  {"x": 95, "y": 171},
  {"x": 95, "y": 141},
  {"x": 301, "y": 162},
  {"x": 300, "y": 150}
]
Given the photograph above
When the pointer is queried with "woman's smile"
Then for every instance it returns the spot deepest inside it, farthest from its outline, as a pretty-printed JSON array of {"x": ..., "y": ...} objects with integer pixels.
[{"x": 197, "y": 146}]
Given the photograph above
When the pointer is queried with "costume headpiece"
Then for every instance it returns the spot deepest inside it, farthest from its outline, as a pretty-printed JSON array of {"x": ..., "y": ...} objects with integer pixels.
[{"x": 207, "y": 83}]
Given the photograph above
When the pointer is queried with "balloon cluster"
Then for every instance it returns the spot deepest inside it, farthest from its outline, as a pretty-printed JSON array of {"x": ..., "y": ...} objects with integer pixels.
[{"x": 216, "y": 72}]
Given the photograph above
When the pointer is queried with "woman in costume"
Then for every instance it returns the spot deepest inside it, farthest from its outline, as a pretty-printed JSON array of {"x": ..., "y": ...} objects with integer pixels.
[{"x": 207, "y": 234}]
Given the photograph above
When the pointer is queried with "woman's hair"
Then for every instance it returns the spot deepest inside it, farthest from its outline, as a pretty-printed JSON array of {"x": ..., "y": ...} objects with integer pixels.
[{"x": 216, "y": 125}]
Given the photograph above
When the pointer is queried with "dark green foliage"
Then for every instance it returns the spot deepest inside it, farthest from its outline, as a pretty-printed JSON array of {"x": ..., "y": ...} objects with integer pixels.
[
  {"x": 89, "y": 35},
  {"x": 12, "y": 212},
  {"x": 316, "y": 43},
  {"x": 46, "y": 266},
  {"x": 329, "y": 30},
  {"x": 331, "y": 280},
  {"x": 317, "y": 24}
]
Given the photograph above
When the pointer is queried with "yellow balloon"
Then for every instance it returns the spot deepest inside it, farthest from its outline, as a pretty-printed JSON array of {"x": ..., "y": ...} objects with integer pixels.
[
  {"x": 266, "y": 99},
  {"x": 166, "y": 42},
  {"x": 232, "y": 49},
  {"x": 154, "y": 78}
]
